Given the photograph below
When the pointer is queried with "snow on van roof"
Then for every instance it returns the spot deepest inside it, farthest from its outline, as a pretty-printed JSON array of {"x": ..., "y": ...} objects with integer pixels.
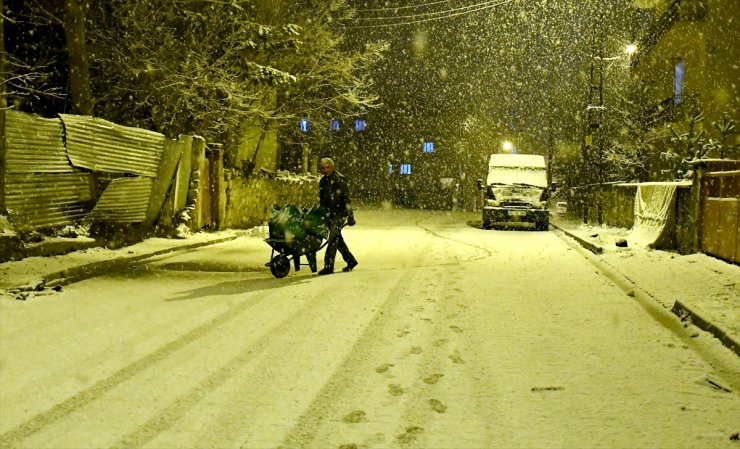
[{"x": 517, "y": 160}]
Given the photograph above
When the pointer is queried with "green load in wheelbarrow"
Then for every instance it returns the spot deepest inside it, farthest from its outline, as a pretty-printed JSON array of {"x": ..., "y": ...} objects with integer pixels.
[{"x": 295, "y": 233}]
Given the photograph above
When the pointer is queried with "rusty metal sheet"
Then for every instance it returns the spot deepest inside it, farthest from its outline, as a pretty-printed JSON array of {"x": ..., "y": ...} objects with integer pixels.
[
  {"x": 125, "y": 200},
  {"x": 45, "y": 200},
  {"x": 34, "y": 144},
  {"x": 100, "y": 145}
]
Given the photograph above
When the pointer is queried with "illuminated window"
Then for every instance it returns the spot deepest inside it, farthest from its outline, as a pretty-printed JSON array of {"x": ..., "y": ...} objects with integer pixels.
[
  {"x": 678, "y": 73},
  {"x": 303, "y": 125},
  {"x": 360, "y": 125},
  {"x": 429, "y": 147},
  {"x": 335, "y": 125},
  {"x": 405, "y": 169},
  {"x": 390, "y": 169}
]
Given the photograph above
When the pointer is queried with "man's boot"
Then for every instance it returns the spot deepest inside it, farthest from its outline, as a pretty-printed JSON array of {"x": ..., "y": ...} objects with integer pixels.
[{"x": 326, "y": 270}]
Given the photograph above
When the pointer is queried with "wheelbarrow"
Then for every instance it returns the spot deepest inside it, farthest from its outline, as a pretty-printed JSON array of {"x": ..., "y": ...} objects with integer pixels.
[{"x": 294, "y": 234}]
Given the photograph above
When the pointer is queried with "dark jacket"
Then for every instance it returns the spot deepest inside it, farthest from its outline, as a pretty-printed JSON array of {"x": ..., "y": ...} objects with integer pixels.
[{"x": 334, "y": 195}]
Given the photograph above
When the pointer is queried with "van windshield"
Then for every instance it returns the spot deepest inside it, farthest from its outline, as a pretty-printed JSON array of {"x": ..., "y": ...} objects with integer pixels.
[{"x": 535, "y": 177}]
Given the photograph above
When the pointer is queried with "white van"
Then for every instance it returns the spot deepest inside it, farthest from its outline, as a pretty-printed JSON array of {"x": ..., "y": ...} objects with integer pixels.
[{"x": 516, "y": 191}]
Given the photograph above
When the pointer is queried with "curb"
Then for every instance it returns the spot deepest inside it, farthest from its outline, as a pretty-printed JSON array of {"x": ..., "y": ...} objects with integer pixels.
[
  {"x": 86, "y": 271},
  {"x": 685, "y": 312},
  {"x": 584, "y": 243}
]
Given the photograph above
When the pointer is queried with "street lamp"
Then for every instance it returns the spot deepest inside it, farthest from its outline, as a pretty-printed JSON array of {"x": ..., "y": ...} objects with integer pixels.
[
  {"x": 507, "y": 146},
  {"x": 630, "y": 49}
]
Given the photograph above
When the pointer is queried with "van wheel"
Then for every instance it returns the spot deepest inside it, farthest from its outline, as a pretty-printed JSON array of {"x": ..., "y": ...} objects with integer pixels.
[
  {"x": 542, "y": 225},
  {"x": 485, "y": 225}
]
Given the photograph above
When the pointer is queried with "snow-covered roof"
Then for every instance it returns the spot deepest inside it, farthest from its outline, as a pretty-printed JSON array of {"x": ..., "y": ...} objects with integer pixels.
[
  {"x": 517, "y": 168},
  {"x": 517, "y": 160}
]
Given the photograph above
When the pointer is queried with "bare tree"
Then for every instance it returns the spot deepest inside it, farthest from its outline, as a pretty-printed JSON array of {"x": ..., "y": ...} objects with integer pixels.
[
  {"x": 208, "y": 67},
  {"x": 3, "y": 86},
  {"x": 26, "y": 80}
]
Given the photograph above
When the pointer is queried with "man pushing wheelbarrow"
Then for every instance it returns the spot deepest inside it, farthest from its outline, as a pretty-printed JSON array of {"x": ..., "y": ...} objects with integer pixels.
[{"x": 294, "y": 233}]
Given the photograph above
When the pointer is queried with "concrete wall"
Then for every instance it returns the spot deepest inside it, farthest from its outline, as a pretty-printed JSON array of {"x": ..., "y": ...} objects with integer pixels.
[{"x": 248, "y": 200}]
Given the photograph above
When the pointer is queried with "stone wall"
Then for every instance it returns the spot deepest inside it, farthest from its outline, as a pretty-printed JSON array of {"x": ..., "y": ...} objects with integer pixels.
[{"x": 248, "y": 200}]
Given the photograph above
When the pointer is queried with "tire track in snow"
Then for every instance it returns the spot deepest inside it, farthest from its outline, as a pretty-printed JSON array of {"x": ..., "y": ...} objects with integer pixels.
[
  {"x": 33, "y": 425},
  {"x": 304, "y": 431},
  {"x": 164, "y": 420},
  {"x": 486, "y": 251}
]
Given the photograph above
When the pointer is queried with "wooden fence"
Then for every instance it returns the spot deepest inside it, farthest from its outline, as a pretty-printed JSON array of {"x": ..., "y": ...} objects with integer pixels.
[{"x": 720, "y": 214}]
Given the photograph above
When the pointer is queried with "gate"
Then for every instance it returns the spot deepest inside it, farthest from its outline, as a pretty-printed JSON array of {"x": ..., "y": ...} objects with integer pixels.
[{"x": 720, "y": 198}]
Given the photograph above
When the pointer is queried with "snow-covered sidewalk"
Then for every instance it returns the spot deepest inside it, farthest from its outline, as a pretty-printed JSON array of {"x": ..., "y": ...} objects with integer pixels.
[
  {"x": 698, "y": 287},
  {"x": 34, "y": 274}
]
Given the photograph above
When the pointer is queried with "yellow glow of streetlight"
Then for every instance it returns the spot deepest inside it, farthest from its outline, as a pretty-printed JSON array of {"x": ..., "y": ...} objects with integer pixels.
[
  {"x": 507, "y": 146},
  {"x": 630, "y": 49}
]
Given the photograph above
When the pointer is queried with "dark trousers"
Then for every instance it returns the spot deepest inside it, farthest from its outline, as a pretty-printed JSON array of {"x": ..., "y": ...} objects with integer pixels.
[{"x": 336, "y": 242}]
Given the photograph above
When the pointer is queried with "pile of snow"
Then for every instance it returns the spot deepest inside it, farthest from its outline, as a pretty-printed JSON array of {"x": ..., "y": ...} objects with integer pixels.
[
  {"x": 604, "y": 236},
  {"x": 183, "y": 231},
  {"x": 284, "y": 175},
  {"x": 77, "y": 231},
  {"x": 258, "y": 231},
  {"x": 6, "y": 227}
]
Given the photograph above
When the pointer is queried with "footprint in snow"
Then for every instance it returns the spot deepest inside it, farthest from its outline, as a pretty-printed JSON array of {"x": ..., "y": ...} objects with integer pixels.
[
  {"x": 395, "y": 390},
  {"x": 456, "y": 329},
  {"x": 384, "y": 368},
  {"x": 456, "y": 358},
  {"x": 410, "y": 434},
  {"x": 416, "y": 350},
  {"x": 355, "y": 417},
  {"x": 437, "y": 406},
  {"x": 433, "y": 379}
]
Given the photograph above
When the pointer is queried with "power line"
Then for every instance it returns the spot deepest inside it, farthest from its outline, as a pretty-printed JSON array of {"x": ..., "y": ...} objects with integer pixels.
[
  {"x": 422, "y": 14},
  {"x": 420, "y": 5},
  {"x": 450, "y": 13}
]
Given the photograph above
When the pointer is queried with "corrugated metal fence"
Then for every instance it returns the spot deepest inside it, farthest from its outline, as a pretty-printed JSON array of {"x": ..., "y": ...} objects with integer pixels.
[
  {"x": 49, "y": 169},
  {"x": 42, "y": 189}
]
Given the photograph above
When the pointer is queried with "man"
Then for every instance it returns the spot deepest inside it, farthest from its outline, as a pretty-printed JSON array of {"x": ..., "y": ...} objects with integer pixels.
[{"x": 334, "y": 198}]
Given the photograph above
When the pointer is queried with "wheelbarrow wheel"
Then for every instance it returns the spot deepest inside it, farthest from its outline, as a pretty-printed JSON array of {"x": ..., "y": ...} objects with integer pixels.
[{"x": 280, "y": 266}]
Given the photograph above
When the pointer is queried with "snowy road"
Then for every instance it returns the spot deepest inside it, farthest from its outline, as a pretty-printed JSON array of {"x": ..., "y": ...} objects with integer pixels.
[{"x": 445, "y": 336}]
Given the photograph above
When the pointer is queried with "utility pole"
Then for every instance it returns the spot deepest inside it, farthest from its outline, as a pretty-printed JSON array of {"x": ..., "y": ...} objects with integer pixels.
[{"x": 594, "y": 163}]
